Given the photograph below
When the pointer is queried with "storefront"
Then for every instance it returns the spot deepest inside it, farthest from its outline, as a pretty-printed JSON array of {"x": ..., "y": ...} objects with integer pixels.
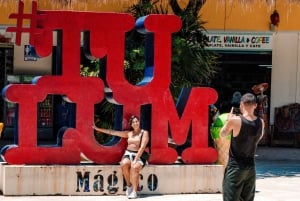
[{"x": 245, "y": 60}]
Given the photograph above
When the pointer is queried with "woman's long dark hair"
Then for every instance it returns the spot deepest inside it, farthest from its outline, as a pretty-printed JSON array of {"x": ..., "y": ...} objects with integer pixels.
[{"x": 131, "y": 119}]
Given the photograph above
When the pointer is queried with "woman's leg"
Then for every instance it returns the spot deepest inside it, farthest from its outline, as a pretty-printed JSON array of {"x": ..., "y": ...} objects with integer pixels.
[
  {"x": 135, "y": 175},
  {"x": 125, "y": 167}
]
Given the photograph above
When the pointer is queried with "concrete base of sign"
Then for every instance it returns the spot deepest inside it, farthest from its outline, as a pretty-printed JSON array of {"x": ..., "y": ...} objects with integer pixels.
[{"x": 91, "y": 179}]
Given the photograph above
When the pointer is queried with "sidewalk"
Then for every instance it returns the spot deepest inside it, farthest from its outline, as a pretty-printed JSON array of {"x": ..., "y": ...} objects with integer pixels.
[{"x": 278, "y": 179}]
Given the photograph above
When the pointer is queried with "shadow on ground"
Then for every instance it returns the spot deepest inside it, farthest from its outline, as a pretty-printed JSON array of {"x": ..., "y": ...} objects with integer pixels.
[{"x": 277, "y": 168}]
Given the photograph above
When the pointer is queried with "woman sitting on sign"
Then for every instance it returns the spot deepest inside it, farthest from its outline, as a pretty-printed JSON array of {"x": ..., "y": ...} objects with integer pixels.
[{"x": 132, "y": 162}]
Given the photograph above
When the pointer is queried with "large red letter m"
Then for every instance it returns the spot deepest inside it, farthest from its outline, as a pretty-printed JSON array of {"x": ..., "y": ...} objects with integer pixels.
[{"x": 191, "y": 116}]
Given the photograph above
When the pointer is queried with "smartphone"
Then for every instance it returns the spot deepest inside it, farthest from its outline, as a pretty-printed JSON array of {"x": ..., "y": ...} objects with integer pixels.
[{"x": 236, "y": 110}]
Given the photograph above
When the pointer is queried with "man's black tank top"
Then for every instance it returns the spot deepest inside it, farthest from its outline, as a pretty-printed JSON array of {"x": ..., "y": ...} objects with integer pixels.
[{"x": 243, "y": 146}]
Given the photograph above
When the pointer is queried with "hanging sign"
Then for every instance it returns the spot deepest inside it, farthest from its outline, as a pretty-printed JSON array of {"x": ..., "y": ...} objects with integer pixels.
[
  {"x": 240, "y": 41},
  {"x": 29, "y": 53}
]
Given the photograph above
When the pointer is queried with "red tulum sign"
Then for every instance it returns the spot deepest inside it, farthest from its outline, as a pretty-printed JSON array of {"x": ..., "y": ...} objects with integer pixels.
[{"x": 107, "y": 38}]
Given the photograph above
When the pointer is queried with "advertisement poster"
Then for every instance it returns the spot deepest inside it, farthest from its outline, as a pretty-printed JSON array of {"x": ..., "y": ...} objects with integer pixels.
[{"x": 29, "y": 53}]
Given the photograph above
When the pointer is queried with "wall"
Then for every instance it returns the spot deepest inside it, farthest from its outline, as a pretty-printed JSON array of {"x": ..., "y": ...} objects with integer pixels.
[
  {"x": 285, "y": 71},
  {"x": 255, "y": 15},
  {"x": 88, "y": 179},
  {"x": 9, "y": 6},
  {"x": 36, "y": 65},
  {"x": 219, "y": 14}
]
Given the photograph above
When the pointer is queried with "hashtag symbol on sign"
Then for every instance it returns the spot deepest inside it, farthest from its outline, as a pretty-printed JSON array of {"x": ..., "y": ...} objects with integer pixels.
[{"x": 20, "y": 16}]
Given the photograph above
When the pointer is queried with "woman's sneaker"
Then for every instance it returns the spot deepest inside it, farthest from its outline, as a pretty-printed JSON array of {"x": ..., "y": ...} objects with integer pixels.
[
  {"x": 132, "y": 195},
  {"x": 128, "y": 190}
]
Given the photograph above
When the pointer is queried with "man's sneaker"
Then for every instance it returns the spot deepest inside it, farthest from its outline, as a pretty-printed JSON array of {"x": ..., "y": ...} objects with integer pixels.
[
  {"x": 128, "y": 190},
  {"x": 132, "y": 195}
]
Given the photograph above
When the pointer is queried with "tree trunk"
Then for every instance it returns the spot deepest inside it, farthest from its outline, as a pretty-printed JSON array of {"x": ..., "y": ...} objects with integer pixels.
[{"x": 193, "y": 5}]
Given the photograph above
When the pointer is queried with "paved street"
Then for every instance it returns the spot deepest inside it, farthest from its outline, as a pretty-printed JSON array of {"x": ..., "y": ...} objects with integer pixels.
[
  {"x": 278, "y": 179},
  {"x": 278, "y": 174}
]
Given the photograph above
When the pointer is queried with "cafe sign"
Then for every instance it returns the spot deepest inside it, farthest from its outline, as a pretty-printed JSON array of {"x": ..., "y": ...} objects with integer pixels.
[{"x": 240, "y": 41}]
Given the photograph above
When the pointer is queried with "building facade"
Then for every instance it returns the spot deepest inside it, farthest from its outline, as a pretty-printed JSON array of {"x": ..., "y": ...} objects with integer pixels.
[{"x": 243, "y": 17}]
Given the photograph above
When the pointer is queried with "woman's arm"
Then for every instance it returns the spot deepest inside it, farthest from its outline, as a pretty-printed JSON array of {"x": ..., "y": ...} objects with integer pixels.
[
  {"x": 145, "y": 140},
  {"x": 144, "y": 143},
  {"x": 123, "y": 134}
]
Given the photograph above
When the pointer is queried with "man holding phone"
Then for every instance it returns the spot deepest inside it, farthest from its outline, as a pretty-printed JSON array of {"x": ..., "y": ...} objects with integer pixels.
[{"x": 246, "y": 131}]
